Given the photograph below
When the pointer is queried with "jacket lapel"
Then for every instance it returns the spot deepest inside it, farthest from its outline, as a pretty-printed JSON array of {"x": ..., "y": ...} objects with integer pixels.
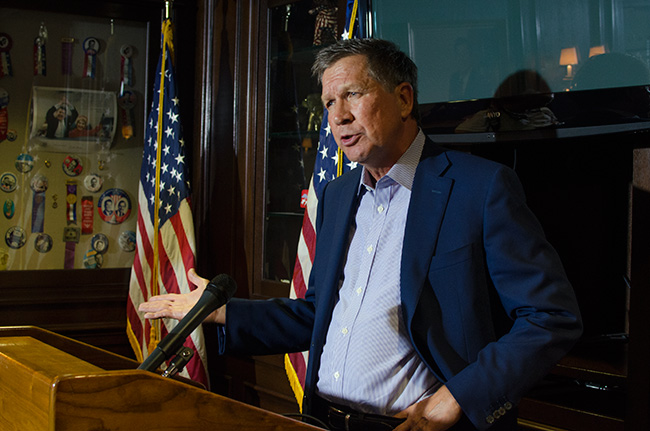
[{"x": 429, "y": 197}]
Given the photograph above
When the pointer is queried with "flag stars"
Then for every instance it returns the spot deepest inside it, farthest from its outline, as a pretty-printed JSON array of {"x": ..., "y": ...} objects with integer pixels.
[
  {"x": 169, "y": 132},
  {"x": 171, "y": 190},
  {"x": 173, "y": 117},
  {"x": 322, "y": 174},
  {"x": 324, "y": 151},
  {"x": 180, "y": 159},
  {"x": 166, "y": 150}
]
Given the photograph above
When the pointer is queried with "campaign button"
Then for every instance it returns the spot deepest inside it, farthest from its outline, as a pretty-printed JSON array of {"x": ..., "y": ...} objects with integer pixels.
[
  {"x": 114, "y": 206},
  {"x": 8, "y": 182},
  {"x": 72, "y": 166},
  {"x": 43, "y": 243},
  {"x": 15, "y": 237},
  {"x": 99, "y": 243}
]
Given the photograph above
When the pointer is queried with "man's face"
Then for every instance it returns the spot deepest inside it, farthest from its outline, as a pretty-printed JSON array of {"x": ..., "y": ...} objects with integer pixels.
[
  {"x": 59, "y": 114},
  {"x": 365, "y": 118}
]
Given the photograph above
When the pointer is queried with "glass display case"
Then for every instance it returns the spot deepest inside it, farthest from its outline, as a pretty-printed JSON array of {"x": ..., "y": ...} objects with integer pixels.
[
  {"x": 72, "y": 100},
  {"x": 294, "y": 115}
]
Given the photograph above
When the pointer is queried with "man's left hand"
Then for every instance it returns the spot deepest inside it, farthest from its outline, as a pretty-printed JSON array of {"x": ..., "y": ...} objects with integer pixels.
[{"x": 439, "y": 412}]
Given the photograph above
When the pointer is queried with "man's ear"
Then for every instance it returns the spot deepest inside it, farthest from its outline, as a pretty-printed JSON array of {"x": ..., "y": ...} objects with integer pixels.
[{"x": 404, "y": 93}]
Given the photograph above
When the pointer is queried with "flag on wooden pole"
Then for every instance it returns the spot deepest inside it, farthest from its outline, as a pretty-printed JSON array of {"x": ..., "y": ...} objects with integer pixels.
[{"x": 165, "y": 244}]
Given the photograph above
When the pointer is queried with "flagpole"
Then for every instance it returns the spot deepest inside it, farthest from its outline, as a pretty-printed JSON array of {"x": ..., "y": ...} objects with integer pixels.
[
  {"x": 155, "y": 333},
  {"x": 168, "y": 6}
]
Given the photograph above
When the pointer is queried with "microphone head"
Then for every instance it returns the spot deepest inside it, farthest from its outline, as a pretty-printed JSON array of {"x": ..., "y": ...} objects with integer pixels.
[{"x": 222, "y": 286}]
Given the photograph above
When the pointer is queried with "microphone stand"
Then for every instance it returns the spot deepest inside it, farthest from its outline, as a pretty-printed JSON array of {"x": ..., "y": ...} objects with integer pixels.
[{"x": 182, "y": 357}]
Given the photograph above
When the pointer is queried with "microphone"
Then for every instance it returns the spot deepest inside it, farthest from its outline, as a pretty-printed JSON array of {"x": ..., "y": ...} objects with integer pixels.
[{"x": 217, "y": 293}]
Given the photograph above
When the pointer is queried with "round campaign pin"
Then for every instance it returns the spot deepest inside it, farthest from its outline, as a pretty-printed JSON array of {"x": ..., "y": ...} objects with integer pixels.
[
  {"x": 39, "y": 183},
  {"x": 24, "y": 163},
  {"x": 99, "y": 243},
  {"x": 72, "y": 166},
  {"x": 43, "y": 243},
  {"x": 93, "y": 183},
  {"x": 93, "y": 260},
  {"x": 12, "y": 135},
  {"x": 127, "y": 240},
  {"x": 114, "y": 206},
  {"x": 9, "y": 208},
  {"x": 8, "y": 182},
  {"x": 15, "y": 237}
]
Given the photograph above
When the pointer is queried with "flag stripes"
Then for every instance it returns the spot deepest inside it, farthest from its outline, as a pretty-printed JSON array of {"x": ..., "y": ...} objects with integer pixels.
[{"x": 165, "y": 244}]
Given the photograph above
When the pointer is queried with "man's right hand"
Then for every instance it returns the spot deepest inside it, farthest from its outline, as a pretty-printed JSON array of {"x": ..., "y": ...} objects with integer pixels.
[{"x": 176, "y": 306}]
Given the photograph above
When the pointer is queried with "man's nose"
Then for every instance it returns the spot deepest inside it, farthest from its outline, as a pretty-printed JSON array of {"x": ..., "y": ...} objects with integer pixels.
[{"x": 341, "y": 114}]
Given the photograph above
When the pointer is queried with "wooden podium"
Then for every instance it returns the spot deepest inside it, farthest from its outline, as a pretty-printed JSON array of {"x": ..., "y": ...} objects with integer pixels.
[{"x": 50, "y": 382}]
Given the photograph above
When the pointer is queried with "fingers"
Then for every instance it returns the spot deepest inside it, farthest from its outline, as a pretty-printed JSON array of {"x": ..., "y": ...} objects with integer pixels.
[
  {"x": 164, "y": 306},
  {"x": 174, "y": 305},
  {"x": 196, "y": 280}
]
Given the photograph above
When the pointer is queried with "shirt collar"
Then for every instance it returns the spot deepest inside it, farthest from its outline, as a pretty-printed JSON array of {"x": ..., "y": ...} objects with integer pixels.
[{"x": 402, "y": 172}]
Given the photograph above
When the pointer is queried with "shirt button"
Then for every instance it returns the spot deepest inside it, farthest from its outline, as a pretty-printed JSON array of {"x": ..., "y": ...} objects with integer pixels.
[
  {"x": 369, "y": 249},
  {"x": 380, "y": 209},
  {"x": 344, "y": 331},
  {"x": 359, "y": 290},
  {"x": 337, "y": 375}
]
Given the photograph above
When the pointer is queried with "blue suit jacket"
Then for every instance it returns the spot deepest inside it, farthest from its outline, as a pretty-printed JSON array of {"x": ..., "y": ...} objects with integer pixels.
[{"x": 471, "y": 246}]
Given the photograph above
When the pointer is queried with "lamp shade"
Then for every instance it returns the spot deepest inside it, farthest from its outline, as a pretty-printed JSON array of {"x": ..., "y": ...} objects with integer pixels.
[
  {"x": 569, "y": 56},
  {"x": 596, "y": 50}
]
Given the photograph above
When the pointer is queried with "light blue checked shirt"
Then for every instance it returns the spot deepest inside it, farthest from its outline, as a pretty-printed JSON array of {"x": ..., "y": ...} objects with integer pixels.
[{"x": 368, "y": 362}]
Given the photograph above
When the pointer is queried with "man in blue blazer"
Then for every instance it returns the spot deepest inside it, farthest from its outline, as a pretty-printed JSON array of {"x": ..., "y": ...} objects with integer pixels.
[{"x": 439, "y": 241}]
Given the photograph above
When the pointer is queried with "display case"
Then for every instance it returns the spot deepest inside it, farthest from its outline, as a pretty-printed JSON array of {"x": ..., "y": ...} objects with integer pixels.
[
  {"x": 71, "y": 193},
  {"x": 292, "y": 122},
  {"x": 74, "y": 90}
]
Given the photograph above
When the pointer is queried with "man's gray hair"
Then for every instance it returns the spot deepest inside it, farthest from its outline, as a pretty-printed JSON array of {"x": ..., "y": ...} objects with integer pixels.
[{"x": 387, "y": 64}]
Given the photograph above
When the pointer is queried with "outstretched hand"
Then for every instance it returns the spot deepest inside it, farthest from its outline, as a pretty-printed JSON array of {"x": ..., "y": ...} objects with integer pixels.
[
  {"x": 176, "y": 306},
  {"x": 439, "y": 412}
]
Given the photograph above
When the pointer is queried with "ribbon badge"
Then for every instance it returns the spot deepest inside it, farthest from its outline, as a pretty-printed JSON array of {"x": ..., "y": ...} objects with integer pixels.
[
  {"x": 91, "y": 48},
  {"x": 39, "y": 51},
  {"x": 127, "y": 65},
  {"x": 4, "y": 114},
  {"x": 5, "y": 58},
  {"x": 66, "y": 55},
  {"x": 127, "y": 102}
]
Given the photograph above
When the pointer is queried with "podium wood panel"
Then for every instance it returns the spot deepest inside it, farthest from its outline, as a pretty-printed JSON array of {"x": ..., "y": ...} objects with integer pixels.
[{"x": 45, "y": 387}]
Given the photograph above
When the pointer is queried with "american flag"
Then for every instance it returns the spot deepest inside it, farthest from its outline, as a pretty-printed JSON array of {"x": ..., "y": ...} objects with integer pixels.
[
  {"x": 165, "y": 231},
  {"x": 330, "y": 163}
]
